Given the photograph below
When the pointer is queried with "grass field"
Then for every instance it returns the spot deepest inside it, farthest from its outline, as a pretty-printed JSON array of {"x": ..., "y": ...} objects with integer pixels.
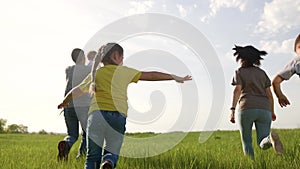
[{"x": 221, "y": 151}]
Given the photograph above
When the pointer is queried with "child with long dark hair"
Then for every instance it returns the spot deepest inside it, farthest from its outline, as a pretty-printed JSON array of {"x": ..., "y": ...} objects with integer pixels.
[{"x": 108, "y": 110}]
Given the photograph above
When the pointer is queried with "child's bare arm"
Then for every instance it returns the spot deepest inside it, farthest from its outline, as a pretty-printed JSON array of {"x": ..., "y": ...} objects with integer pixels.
[
  {"x": 158, "y": 76},
  {"x": 282, "y": 99},
  {"x": 73, "y": 94}
]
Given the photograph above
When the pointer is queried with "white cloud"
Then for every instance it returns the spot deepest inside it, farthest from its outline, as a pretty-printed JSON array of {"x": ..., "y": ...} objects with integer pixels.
[
  {"x": 273, "y": 46},
  {"x": 139, "y": 7},
  {"x": 279, "y": 16},
  {"x": 217, "y": 5},
  {"x": 182, "y": 10}
]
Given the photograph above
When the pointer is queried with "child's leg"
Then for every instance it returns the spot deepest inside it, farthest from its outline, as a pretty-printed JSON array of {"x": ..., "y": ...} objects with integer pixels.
[
  {"x": 93, "y": 156},
  {"x": 95, "y": 138},
  {"x": 245, "y": 121},
  {"x": 83, "y": 145},
  {"x": 72, "y": 126},
  {"x": 82, "y": 114},
  {"x": 111, "y": 157},
  {"x": 114, "y": 135},
  {"x": 262, "y": 125}
]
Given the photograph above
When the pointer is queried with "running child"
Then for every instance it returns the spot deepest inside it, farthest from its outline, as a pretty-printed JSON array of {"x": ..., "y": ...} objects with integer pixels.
[
  {"x": 252, "y": 92},
  {"x": 108, "y": 110},
  {"x": 77, "y": 110},
  {"x": 293, "y": 67}
]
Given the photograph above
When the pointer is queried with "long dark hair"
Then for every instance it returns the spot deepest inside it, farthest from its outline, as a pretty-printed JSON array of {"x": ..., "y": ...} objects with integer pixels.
[{"x": 249, "y": 55}]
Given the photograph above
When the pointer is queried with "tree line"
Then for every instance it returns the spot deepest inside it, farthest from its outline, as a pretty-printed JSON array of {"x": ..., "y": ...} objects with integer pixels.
[
  {"x": 12, "y": 128},
  {"x": 17, "y": 128}
]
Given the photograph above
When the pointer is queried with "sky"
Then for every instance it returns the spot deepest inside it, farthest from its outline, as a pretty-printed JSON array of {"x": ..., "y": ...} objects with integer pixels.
[{"x": 37, "y": 38}]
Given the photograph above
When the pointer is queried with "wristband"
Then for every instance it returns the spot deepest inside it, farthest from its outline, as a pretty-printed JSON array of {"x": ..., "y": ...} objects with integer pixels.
[{"x": 232, "y": 108}]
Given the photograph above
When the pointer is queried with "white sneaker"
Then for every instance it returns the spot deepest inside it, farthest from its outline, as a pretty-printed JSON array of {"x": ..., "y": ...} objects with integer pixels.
[{"x": 276, "y": 143}]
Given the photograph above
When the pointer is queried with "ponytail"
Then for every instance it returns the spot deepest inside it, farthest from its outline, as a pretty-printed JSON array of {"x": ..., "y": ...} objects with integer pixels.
[
  {"x": 97, "y": 60},
  {"x": 103, "y": 55}
]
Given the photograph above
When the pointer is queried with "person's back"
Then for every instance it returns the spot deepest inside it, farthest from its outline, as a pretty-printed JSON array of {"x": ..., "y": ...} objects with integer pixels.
[
  {"x": 74, "y": 76},
  {"x": 111, "y": 83},
  {"x": 254, "y": 82}
]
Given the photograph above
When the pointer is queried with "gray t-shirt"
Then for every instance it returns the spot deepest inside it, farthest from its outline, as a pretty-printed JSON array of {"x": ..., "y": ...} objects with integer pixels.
[
  {"x": 293, "y": 67},
  {"x": 74, "y": 76},
  {"x": 254, "y": 82}
]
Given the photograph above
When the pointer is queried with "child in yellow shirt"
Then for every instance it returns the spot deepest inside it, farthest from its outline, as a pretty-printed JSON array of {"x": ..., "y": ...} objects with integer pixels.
[{"x": 108, "y": 109}]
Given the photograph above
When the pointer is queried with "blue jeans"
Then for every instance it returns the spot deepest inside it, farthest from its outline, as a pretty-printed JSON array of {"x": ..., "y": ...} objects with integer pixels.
[
  {"x": 72, "y": 124},
  {"x": 108, "y": 126},
  {"x": 262, "y": 120}
]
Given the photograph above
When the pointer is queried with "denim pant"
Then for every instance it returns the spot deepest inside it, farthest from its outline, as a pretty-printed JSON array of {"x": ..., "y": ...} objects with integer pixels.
[
  {"x": 108, "y": 126},
  {"x": 72, "y": 123},
  {"x": 262, "y": 120}
]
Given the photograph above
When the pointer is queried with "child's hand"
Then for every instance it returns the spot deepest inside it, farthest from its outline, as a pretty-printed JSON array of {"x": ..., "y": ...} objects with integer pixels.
[
  {"x": 181, "y": 79},
  {"x": 62, "y": 105},
  {"x": 273, "y": 117},
  {"x": 232, "y": 118},
  {"x": 283, "y": 101}
]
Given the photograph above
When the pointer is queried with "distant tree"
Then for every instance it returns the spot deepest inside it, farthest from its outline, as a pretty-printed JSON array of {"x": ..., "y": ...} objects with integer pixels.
[
  {"x": 14, "y": 128},
  {"x": 2, "y": 125},
  {"x": 43, "y": 131},
  {"x": 23, "y": 129}
]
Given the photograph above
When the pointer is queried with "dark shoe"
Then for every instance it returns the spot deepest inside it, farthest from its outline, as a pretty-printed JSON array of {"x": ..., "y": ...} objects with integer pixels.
[
  {"x": 106, "y": 165},
  {"x": 63, "y": 151}
]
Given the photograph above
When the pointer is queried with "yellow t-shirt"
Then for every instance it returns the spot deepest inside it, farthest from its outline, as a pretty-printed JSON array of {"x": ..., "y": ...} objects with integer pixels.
[{"x": 111, "y": 87}]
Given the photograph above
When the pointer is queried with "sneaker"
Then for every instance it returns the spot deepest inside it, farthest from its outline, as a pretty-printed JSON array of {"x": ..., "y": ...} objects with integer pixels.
[
  {"x": 63, "y": 150},
  {"x": 106, "y": 165},
  {"x": 276, "y": 143}
]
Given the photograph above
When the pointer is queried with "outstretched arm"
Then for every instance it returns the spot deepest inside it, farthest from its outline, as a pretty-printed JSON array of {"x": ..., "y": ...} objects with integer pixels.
[
  {"x": 158, "y": 76},
  {"x": 73, "y": 94},
  {"x": 282, "y": 99}
]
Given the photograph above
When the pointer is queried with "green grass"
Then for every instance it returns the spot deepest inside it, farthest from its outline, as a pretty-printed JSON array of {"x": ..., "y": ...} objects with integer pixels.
[{"x": 221, "y": 151}]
